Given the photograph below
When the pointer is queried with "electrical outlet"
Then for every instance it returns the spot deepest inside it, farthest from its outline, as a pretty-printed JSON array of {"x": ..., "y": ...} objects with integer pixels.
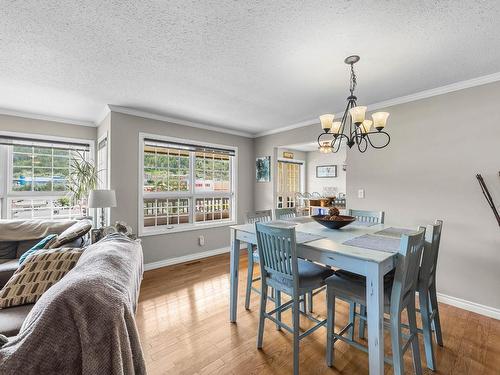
[
  {"x": 361, "y": 193},
  {"x": 201, "y": 240}
]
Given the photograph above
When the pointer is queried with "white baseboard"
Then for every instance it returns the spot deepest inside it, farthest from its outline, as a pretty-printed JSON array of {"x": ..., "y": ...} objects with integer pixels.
[
  {"x": 188, "y": 258},
  {"x": 469, "y": 306}
]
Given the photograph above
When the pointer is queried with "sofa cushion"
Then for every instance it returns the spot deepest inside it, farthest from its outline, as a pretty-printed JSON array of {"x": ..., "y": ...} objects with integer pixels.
[
  {"x": 8, "y": 249},
  {"x": 12, "y": 319},
  {"x": 75, "y": 231},
  {"x": 42, "y": 244},
  {"x": 37, "y": 274},
  {"x": 24, "y": 246},
  {"x": 7, "y": 269}
]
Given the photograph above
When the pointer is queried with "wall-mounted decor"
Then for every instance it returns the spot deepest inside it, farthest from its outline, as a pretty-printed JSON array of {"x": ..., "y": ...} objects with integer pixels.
[
  {"x": 287, "y": 155},
  {"x": 263, "y": 169},
  {"x": 326, "y": 171}
]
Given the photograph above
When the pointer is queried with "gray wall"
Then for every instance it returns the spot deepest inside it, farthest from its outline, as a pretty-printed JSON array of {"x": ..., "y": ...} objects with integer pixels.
[
  {"x": 42, "y": 127},
  {"x": 125, "y": 131},
  {"x": 428, "y": 172},
  {"x": 316, "y": 158}
]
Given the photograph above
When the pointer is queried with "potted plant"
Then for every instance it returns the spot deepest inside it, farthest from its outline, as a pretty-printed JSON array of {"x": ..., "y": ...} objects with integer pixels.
[{"x": 83, "y": 178}]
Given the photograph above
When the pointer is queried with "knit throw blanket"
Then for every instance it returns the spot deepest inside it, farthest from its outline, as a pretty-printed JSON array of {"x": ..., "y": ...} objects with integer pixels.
[{"x": 85, "y": 324}]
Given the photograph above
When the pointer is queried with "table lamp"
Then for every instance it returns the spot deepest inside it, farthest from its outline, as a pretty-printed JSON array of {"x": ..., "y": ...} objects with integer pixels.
[{"x": 102, "y": 199}]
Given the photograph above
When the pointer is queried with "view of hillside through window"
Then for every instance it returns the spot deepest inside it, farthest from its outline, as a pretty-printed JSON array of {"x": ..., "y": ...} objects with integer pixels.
[
  {"x": 39, "y": 178},
  {"x": 182, "y": 187}
]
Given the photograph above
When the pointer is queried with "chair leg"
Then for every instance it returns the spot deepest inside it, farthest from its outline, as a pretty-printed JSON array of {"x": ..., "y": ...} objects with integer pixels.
[
  {"x": 309, "y": 302},
  {"x": 249, "y": 277},
  {"x": 425, "y": 313},
  {"x": 362, "y": 322},
  {"x": 296, "y": 333},
  {"x": 277, "y": 303},
  {"x": 412, "y": 320},
  {"x": 397, "y": 341},
  {"x": 263, "y": 302},
  {"x": 436, "y": 321},
  {"x": 352, "y": 319},
  {"x": 330, "y": 326}
]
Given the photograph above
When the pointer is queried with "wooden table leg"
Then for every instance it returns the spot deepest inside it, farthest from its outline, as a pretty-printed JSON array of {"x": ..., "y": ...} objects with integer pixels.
[
  {"x": 234, "y": 266},
  {"x": 375, "y": 317}
]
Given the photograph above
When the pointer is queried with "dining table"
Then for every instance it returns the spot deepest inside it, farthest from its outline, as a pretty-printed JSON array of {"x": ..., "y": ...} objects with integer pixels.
[{"x": 327, "y": 246}]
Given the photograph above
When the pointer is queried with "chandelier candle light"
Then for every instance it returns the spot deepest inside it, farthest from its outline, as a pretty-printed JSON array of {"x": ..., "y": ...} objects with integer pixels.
[{"x": 359, "y": 129}]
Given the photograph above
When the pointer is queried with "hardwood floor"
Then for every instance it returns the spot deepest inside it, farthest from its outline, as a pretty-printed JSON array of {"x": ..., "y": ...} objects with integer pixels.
[{"x": 184, "y": 328}]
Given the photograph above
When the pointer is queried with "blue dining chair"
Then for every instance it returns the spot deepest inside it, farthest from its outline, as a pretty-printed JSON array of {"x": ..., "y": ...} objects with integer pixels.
[
  {"x": 253, "y": 217},
  {"x": 400, "y": 297},
  {"x": 285, "y": 273},
  {"x": 285, "y": 213},
  {"x": 429, "y": 308},
  {"x": 376, "y": 217}
]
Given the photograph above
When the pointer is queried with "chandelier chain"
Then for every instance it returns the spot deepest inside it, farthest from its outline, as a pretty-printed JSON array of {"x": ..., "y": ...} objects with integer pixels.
[{"x": 353, "y": 81}]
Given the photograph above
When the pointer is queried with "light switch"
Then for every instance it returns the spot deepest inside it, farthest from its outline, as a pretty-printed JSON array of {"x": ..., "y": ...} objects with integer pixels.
[
  {"x": 201, "y": 240},
  {"x": 361, "y": 193}
]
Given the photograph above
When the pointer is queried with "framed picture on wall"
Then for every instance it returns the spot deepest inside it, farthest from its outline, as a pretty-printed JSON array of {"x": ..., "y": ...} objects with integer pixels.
[
  {"x": 263, "y": 169},
  {"x": 326, "y": 171}
]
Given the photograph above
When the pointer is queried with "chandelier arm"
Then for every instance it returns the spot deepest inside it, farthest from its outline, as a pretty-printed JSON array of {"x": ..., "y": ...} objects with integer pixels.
[
  {"x": 339, "y": 138},
  {"x": 322, "y": 134},
  {"x": 378, "y": 132},
  {"x": 344, "y": 118},
  {"x": 360, "y": 148}
]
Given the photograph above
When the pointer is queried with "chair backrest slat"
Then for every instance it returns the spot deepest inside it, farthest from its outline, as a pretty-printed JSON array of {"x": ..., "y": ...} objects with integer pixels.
[
  {"x": 376, "y": 217},
  {"x": 285, "y": 213},
  {"x": 408, "y": 265},
  {"x": 277, "y": 250},
  {"x": 431, "y": 251},
  {"x": 252, "y": 217}
]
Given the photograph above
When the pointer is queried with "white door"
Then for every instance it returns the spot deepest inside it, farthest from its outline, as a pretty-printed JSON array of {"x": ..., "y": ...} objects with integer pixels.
[{"x": 289, "y": 183}]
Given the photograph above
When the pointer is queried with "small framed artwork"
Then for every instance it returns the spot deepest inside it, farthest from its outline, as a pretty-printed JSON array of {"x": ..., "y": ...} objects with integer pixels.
[
  {"x": 326, "y": 171},
  {"x": 287, "y": 155},
  {"x": 263, "y": 169}
]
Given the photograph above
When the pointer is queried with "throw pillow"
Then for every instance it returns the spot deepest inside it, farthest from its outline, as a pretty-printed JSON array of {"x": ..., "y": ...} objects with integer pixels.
[
  {"x": 75, "y": 231},
  {"x": 43, "y": 244},
  {"x": 37, "y": 274}
]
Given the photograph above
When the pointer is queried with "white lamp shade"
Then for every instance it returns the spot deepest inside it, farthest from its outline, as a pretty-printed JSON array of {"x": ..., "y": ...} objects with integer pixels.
[
  {"x": 336, "y": 127},
  {"x": 326, "y": 121},
  {"x": 365, "y": 126},
  {"x": 358, "y": 114},
  {"x": 102, "y": 198},
  {"x": 380, "y": 119}
]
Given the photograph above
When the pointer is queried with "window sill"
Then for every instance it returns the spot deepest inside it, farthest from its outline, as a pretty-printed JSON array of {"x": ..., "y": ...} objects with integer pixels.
[{"x": 184, "y": 228}]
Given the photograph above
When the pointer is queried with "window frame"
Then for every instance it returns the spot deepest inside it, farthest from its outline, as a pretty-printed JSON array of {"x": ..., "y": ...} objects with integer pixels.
[
  {"x": 190, "y": 194},
  {"x": 6, "y": 170}
]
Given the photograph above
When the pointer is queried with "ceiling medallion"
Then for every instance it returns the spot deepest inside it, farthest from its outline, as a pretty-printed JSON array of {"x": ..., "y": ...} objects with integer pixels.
[{"x": 359, "y": 132}]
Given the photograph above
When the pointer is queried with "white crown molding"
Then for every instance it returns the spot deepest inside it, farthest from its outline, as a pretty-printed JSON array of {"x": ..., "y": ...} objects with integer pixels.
[
  {"x": 153, "y": 116},
  {"x": 483, "y": 80},
  {"x": 105, "y": 111},
  {"x": 36, "y": 116},
  {"x": 188, "y": 258}
]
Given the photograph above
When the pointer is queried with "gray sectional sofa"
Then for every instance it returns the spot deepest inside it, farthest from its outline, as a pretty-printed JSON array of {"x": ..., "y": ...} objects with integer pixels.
[{"x": 29, "y": 233}]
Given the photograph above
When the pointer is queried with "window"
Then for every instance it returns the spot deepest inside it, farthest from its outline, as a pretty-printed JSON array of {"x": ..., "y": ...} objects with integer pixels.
[
  {"x": 102, "y": 163},
  {"x": 35, "y": 176},
  {"x": 185, "y": 185}
]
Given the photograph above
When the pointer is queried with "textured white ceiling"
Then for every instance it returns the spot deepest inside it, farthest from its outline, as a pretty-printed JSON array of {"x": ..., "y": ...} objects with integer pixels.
[{"x": 248, "y": 65}]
